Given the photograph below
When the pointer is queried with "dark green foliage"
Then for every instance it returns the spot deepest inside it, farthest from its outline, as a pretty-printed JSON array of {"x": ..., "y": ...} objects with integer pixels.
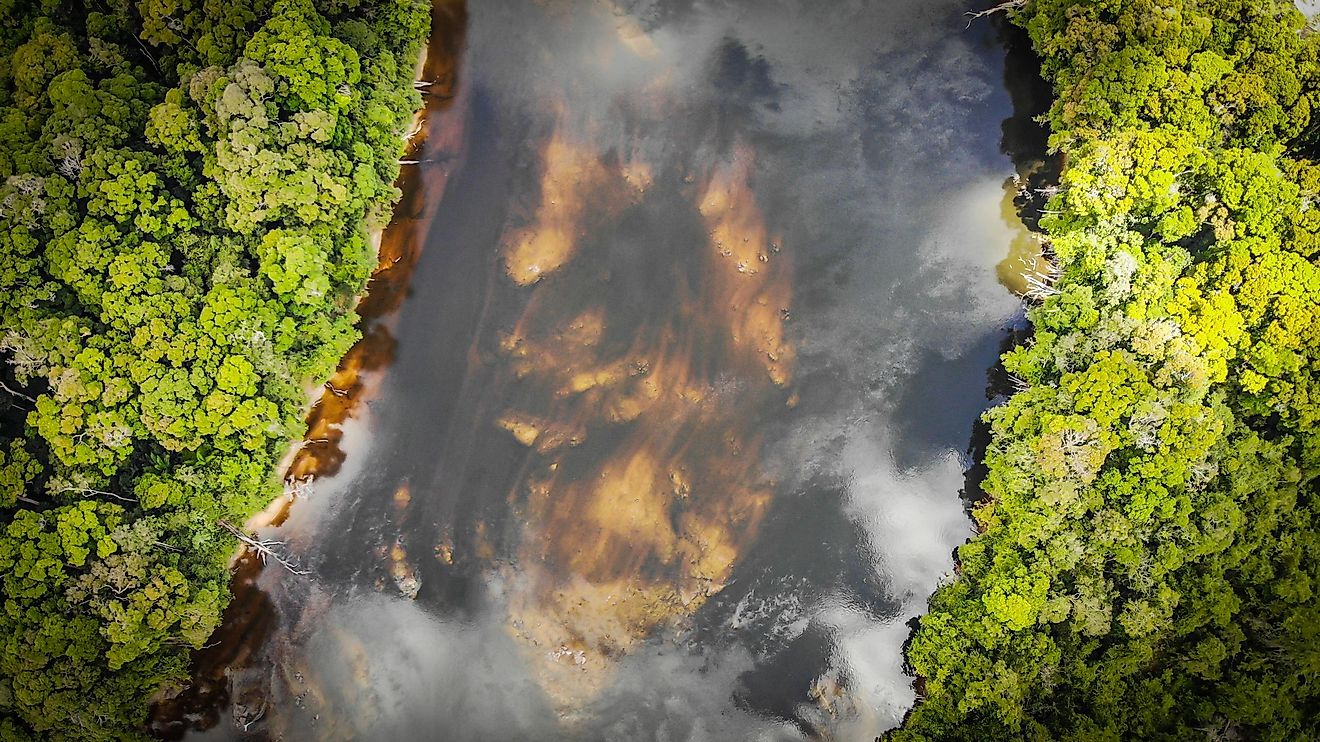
[{"x": 186, "y": 189}]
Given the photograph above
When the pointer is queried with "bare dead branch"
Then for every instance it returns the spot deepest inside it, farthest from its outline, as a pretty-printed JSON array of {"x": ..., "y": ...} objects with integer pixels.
[
  {"x": 415, "y": 130},
  {"x": 1040, "y": 274},
  {"x": 144, "y": 51},
  {"x": 90, "y": 491},
  {"x": 300, "y": 488},
  {"x": 1019, "y": 384},
  {"x": 254, "y": 719},
  {"x": 1003, "y": 7},
  {"x": 20, "y": 395},
  {"x": 265, "y": 548}
]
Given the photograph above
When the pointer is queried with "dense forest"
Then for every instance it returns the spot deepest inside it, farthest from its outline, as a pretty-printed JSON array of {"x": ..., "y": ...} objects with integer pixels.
[
  {"x": 188, "y": 193},
  {"x": 1148, "y": 557}
]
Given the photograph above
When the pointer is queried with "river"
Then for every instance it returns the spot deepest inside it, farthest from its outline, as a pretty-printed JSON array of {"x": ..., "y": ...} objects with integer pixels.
[{"x": 663, "y": 415}]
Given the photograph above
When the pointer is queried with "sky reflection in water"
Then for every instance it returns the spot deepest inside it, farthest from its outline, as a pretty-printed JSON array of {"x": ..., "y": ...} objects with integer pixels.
[{"x": 852, "y": 150}]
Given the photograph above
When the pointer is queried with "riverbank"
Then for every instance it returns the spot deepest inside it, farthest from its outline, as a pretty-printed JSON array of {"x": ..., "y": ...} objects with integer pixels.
[
  {"x": 438, "y": 135},
  {"x": 1150, "y": 486},
  {"x": 186, "y": 259},
  {"x": 323, "y": 411}
]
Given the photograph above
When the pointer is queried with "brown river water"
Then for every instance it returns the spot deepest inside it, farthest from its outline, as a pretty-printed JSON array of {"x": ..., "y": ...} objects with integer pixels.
[{"x": 660, "y": 426}]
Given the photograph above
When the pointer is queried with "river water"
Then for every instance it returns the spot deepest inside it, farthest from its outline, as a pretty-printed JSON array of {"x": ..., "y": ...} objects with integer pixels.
[{"x": 661, "y": 425}]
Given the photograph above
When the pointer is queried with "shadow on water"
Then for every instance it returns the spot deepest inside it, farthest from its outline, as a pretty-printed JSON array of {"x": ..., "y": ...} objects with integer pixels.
[{"x": 1026, "y": 141}]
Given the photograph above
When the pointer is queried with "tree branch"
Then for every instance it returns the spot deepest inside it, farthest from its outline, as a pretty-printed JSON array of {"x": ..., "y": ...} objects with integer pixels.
[
  {"x": 90, "y": 491},
  {"x": 1003, "y": 7},
  {"x": 20, "y": 395},
  {"x": 265, "y": 548}
]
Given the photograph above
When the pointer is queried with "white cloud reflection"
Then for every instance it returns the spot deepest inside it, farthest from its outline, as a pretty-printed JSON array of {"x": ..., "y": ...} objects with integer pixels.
[{"x": 878, "y": 132}]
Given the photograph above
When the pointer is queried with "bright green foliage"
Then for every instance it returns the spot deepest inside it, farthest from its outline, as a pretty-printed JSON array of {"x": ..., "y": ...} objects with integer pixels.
[
  {"x": 186, "y": 188},
  {"x": 91, "y": 597},
  {"x": 1148, "y": 561},
  {"x": 18, "y": 469},
  {"x": 1236, "y": 72}
]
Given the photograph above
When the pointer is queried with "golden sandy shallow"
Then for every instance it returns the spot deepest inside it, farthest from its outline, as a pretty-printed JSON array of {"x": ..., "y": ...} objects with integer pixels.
[{"x": 637, "y": 535}]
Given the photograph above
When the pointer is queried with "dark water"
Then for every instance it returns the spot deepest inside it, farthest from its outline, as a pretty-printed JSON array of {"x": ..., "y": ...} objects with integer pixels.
[{"x": 671, "y": 436}]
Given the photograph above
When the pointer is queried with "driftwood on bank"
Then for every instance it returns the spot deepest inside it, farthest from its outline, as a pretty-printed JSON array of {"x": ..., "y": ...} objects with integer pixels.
[
  {"x": 1003, "y": 7},
  {"x": 267, "y": 549}
]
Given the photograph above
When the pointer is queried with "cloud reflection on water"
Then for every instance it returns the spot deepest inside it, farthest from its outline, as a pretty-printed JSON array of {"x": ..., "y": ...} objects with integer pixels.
[{"x": 875, "y": 127}]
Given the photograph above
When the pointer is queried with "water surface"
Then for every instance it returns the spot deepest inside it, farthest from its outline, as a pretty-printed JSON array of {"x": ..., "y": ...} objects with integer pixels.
[{"x": 666, "y": 439}]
